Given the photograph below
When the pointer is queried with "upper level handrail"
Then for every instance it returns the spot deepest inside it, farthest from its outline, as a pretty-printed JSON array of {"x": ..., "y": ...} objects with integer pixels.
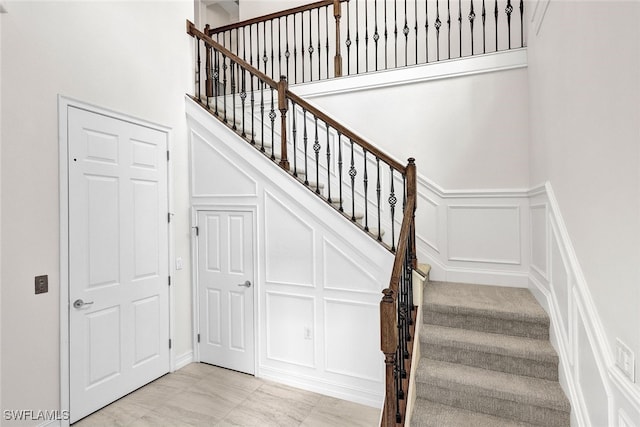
[
  {"x": 194, "y": 32},
  {"x": 275, "y": 15}
]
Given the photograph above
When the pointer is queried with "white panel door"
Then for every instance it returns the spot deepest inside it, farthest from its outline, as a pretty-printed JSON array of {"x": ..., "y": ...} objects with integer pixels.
[
  {"x": 225, "y": 289},
  {"x": 118, "y": 259}
]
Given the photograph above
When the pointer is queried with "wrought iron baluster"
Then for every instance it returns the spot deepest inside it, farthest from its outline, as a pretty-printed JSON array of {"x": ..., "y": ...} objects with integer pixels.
[
  {"x": 216, "y": 79},
  {"x": 484, "y": 32},
  {"x": 243, "y": 97},
  {"x": 508, "y": 10},
  {"x": 392, "y": 204},
  {"x": 287, "y": 53},
  {"x": 302, "y": 44},
  {"x": 326, "y": 25},
  {"x": 405, "y": 31},
  {"x": 521, "y": 23},
  {"x": 316, "y": 149},
  {"x": 310, "y": 49},
  {"x": 265, "y": 58},
  {"x": 397, "y": 377},
  {"x": 348, "y": 41},
  {"x": 261, "y": 115},
  {"x": 238, "y": 42},
  {"x": 449, "y": 28},
  {"x": 437, "y": 24},
  {"x": 319, "y": 47},
  {"x": 378, "y": 195},
  {"x": 295, "y": 52},
  {"x": 244, "y": 43},
  {"x": 357, "y": 40},
  {"x": 366, "y": 36},
  {"x": 415, "y": 11},
  {"x": 304, "y": 141},
  {"x": 280, "y": 46},
  {"x": 224, "y": 87},
  {"x": 395, "y": 32},
  {"x": 253, "y": 103},
  {"x": 426, "y": 31},
  {"x": 272, "y": 116},
  {"x": 198, "y": 67},
  {"x": 386, "y": 35},
  {"x": 376, "y": 35},
  {"x": 251, "y": 45},
  {"x": 460, "y": 26},
  {"x": 495, "y": 14},
  {"x": 352, "y": 174},
  {"x": 340, "y": 170},
  {"x": 233, "y": 93},
  {"x": 472, "y": 17},
  {"x": 366, "y": 188},
  {"x": 328, "y": 162},
  {"x": 295, "y": 139}
]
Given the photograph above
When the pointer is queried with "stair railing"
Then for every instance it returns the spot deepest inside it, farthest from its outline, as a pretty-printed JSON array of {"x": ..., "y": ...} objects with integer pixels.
[
  {"x": 300, "y": 43},
  {"x": 342, "y": 168},
  {"x": 352, "y": 175}
]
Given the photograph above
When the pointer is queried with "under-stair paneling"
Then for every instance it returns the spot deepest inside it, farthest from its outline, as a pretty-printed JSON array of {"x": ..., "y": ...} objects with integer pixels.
[
  {"x": 318, "y": 277},
  {"x": 599, "y": 392}
]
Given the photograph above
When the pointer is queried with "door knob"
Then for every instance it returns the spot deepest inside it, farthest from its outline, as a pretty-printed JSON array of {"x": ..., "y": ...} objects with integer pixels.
[
  {"x": 246, "y": 284},
  {"x": 79, "y": 303}
]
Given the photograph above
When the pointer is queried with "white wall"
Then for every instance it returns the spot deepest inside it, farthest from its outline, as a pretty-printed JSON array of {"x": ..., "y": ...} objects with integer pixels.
[
  {"x": 131, "y": 57},
  {"x": 584, "y": 62},
  {"x": 314, "y": 269}
]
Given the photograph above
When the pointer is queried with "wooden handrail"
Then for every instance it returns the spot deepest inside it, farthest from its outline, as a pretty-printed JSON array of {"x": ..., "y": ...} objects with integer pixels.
[
  {"x": 274, "y": 15},
  {"x": 194, "y": 32},
  {"x": 346, "y": 132}
]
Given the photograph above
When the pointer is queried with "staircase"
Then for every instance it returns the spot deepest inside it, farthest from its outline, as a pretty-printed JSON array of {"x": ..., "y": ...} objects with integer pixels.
[{"x": 486, "y": 360}]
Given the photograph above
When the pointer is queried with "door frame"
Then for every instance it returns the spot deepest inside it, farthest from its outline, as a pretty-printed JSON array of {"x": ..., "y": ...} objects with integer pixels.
[
  {"x": 64, "y": 104},
  {"x": 195, "y": 210}
]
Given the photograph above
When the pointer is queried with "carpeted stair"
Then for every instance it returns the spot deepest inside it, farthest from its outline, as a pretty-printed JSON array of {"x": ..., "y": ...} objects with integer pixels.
[{"x": 486, "y": 360}]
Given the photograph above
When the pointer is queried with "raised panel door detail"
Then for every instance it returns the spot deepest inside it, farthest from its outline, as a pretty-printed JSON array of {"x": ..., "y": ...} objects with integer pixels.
[
  {"x": 103, "y": 345},
  {"x": 147, "y": 332},
  {"x": 236, "y": 245},
  {"x": 212, "y": 237},
  {"x": 145, "y": 222},
  {"x": 144, "y": 155},
  {"x": 214, "y": 314},
  {"x": 103, "y": 234},
  {"x": 101, "y": 147},
  {"x": 236, "y": 323}
]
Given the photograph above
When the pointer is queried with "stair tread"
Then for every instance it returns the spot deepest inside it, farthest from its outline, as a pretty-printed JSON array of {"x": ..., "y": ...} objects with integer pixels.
[
  {"x": 491, "y": 301},
  {"x": 432, "y": 414},
  {"x": 499, "y": 385},
  {"x": 486, "y": 342}
]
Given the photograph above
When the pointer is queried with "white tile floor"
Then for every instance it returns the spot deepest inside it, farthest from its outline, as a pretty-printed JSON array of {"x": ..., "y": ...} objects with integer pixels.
[{"x": 205, "y": 395}]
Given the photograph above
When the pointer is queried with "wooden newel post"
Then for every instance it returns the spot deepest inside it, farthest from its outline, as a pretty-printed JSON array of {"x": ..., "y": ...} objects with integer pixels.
[
  {"x": 283, "y": 106},
  {"x": 338, "y": 58},
  {"x": 412, "y": 190},
  {"x": 208, "y": 68},
  {"x": 389, "y": 345}
]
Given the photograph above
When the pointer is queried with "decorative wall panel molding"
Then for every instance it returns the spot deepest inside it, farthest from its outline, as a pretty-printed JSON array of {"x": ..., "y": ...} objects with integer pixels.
[{"x": 335, "y": 261}]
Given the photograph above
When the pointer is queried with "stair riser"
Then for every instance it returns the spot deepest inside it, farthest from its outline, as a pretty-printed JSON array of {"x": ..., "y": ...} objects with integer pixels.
[
  {"x": 491, "y": 361},
  {"x": 493, "y": 406},
  {"x": 486, "y": 324}
]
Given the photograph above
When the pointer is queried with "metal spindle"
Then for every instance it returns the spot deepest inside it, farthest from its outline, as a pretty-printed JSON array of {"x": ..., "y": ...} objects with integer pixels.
[
  {"x": 508, "y": 10},
  {"x": 243, "y": 97},
  {"x": 521, "y": 23},
  {"x": 253, "y": 103},
  {"x": 216, "y": 79},
  {"x": 340, "y": 170},
  {"x": 304, "y": 141},
  {"x": 405, "y": 31},
  {"x": 437, "y": 24},
  {"x": 460, "y": 26},
  {"x": 352, "y": 174},
  {"x": 319, "y": 47},
  {"x": 280, "y": 46},
  {"x": 316, "y": 150},
  {"x": 295, "y": 52},
  {"x": 366, "y": 188},
  {"x": 495, "y": 14},
  {"x": 348, "y": 41},
  {"x": 449, "y": 28},
  {"x": 395, "y": 32},
  {"x": 295, "y": 140},
  {"x": 357, "y": 40},
  {"x": 378, "y": 194},
  {"x": 366, "y": 36},
  {"x": 272, "y": 57},
  {"x": 265, "y": 58},
  {"x": 392, "y": 203},
  {"x": 484, "y": 33},
  {"x": 386, "y": 36},
  {"x": 224, "y": 87},
  {"x": 261, "y": 115},
  {"x": 250, "y": 45},
  {"x": 376, "y": 35},
  {"x": 310, "y": 49},
  {"x": 272, "y": 116},
  {"x": 233, "y": 93},
  {"x": 328, "y": 162},
  {"x": 286, "y": 52},
  {"x": 415, "y": 11},
  {"x": 302, "y": 44},
  {"x": 326, "y": 25},
  {"x": 472, "y": 17},
  {"x": 426, "y": 31}
]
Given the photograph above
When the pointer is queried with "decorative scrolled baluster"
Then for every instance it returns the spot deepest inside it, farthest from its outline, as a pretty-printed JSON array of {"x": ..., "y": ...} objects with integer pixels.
[
  {"x": 392, "y": 204},
  {"x": 376, "y": 35},
  {"x": 243, "y": 97},
  {"x": 233, "y": 92},
  {"x": 437, "y": 24},
  {"x": 272, "y": 117},
  {"x": 287, "y": 53},
  {"x": 352, "y": 174},
  {"x": 261, "y": 115},
  {"x": 250, "y": 44},
  {"x": 316, "y": 150},
  {"x": 302, "y": 44},
  {"x": 295, "y": 140},
  {"x": 253, "y": 104},
  {"x": 216, "y": 79},
  {"x": 224, "y": 87},
  {"x": 405, "y": 31},
  {"x": 310, "y": 49}
]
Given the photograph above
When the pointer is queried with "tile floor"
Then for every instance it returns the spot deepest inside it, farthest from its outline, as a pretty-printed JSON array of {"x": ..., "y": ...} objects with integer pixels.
[{"x": 205, "y": 395}]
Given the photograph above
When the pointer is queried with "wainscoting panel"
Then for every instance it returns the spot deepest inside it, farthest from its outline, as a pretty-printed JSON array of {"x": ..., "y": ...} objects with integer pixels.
[
  {"x": 600, "y": 395},
  {"x": 318, "y": 279}
]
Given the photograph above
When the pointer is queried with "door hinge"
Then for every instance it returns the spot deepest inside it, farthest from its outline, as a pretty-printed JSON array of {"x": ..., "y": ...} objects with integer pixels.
[
  {"x": 169, "y": 280},
  {"x": 169, "y": 342},
  {"x": 168, "y": 216},
  {"x": 198, "y": 337},
  {"x": 167, "y": 155},
  {"x": 197, "y": 230}
]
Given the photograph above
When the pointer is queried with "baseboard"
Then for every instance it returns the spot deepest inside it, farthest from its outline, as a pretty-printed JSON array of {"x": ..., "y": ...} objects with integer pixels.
[
  {"x": 184, "y": 359},
  {"x": 316, "y": 385},
  {"x": 479, "y": 276}
]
